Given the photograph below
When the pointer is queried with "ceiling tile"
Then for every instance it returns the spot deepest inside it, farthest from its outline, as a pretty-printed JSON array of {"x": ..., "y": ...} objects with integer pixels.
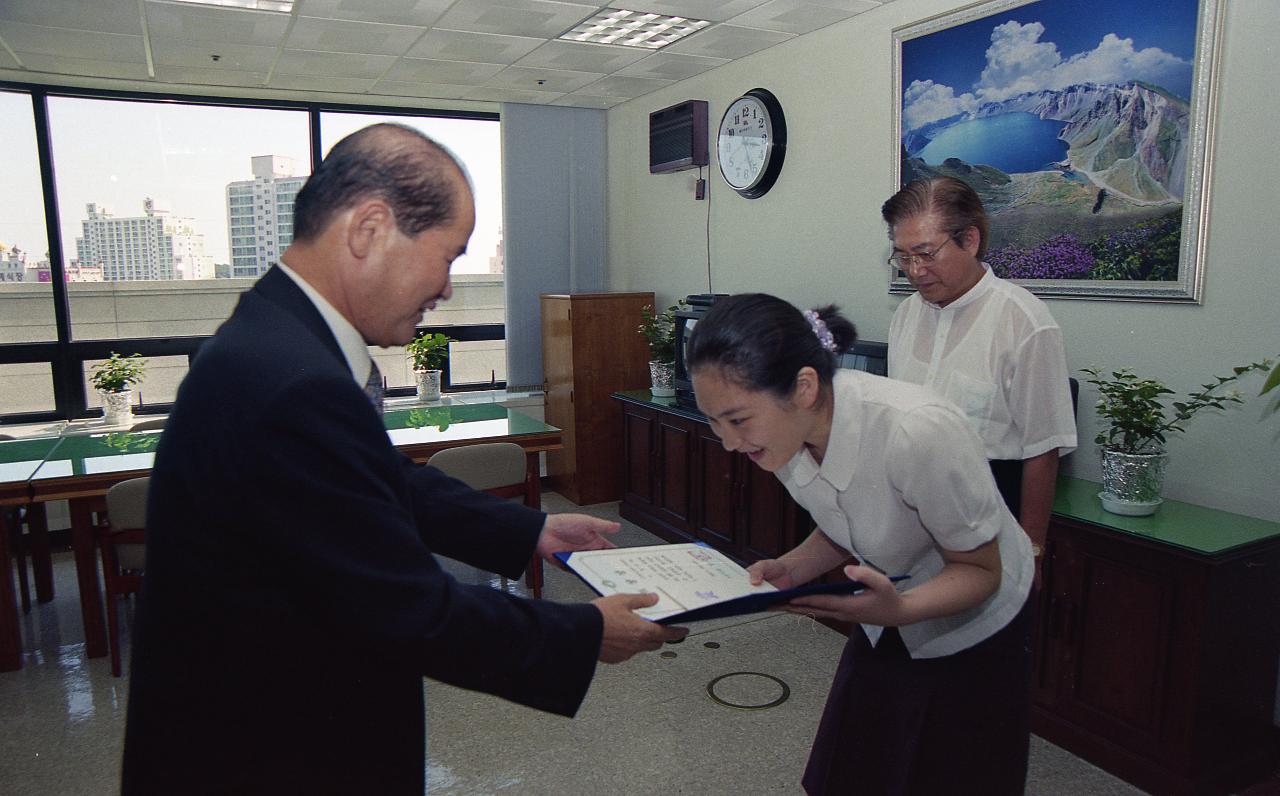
[
  {"x": 727, "y": 41},
  {"x": 448, "y": 72},
  {"x": 515, "y": 17},
  {"x": 671, "y": 66},
  {"x": 555, "y": 80},
  {"x": 340, "y": 36},
  {"x": 856, "y": 6},
  {"x": 623, "y": 87},
  {"x": 422, "y": 13},
  {"x": 714, "y": 10},
  {"x": 206, "y": 23},
  {"x": 497, "y": 94},
  {"x": 457, "y": 45},
  {"x": 204, "y": 76},
  {"x": 24, "y": 38},
  {"x": 308, "y": 62},
  {"x": 416, "y": 89},
  {"x": 88, "y": 67},
  {"x": 104, "y": 16},
  {"x": 791, "y": 16},
  {"x": 600, "y": 58},
  {"x": 327, "y": 83},
  {"x": 196, "y": 55},
  {"x": 581, "y": 101}
]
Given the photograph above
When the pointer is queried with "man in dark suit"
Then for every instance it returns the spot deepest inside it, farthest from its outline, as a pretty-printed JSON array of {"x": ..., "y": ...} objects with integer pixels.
[{"x": 292, "y": 602}]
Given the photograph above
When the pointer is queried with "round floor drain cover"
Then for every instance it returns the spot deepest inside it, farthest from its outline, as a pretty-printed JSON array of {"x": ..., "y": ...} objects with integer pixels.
[{"x": 748, "y": 690}]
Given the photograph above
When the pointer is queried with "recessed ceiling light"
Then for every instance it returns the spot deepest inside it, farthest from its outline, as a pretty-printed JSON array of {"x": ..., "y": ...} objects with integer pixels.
[
  {"x": 283, "y": 6},
  {"x": 633, "y": 29}
]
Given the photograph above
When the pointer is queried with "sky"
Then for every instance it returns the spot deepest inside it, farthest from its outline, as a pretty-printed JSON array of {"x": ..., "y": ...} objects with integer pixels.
[
  {"x": 1048, "y": 44},
  {"x": 116, "y": 154}
]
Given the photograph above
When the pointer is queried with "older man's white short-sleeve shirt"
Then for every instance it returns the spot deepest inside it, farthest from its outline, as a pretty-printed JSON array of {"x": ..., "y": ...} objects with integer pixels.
[
  {"x": 903, "y": 476},
  {"x": 997, "y": 353}
]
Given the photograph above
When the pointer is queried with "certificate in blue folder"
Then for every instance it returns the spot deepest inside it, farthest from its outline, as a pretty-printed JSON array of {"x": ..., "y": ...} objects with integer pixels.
[{"x": 692, "y": 581}]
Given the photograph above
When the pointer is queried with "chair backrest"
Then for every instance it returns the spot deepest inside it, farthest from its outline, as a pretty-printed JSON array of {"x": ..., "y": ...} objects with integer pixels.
[
  {"x": 486, "y": 466},
  {"x": 127, "y": 515}
]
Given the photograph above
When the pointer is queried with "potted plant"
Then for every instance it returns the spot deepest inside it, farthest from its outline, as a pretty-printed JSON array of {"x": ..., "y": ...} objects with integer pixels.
[
  {"x": 427, "y": 354},
  {"x": 659, "y": 330},
  {"x": 1137, "y": 421},
  {"x": 114, "y": 379}
]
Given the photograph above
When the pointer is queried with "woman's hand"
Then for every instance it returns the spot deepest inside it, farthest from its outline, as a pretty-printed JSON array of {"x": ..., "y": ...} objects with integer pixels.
[
  {"x": 877, "y": 604},
  {"x": 772, "y": 570}
]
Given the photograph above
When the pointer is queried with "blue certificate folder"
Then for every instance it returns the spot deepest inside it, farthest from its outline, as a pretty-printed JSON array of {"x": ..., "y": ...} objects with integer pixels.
[{"x": 736, "y": 606}]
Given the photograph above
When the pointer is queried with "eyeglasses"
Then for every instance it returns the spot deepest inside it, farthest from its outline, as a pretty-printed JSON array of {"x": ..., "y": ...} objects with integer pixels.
[{"x": 904, "y": 261}]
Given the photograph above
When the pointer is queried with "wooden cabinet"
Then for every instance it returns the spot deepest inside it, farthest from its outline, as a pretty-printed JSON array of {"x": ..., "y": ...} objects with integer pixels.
[
  {"x": 591, "y": 347},
  {"x": 1158, "y": 661},
  {"x": 681, "y": 484}
]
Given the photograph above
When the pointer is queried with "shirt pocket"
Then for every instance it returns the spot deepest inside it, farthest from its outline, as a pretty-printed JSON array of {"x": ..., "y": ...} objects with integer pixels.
[{"x": 973, "y": 397}]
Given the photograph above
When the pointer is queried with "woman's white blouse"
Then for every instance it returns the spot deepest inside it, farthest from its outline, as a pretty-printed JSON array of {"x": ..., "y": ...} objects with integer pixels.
[{"x": 904, "y": 475}]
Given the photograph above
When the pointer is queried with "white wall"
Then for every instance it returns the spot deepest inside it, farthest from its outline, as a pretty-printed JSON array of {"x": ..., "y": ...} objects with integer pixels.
[{"x": 817, "y": 236}]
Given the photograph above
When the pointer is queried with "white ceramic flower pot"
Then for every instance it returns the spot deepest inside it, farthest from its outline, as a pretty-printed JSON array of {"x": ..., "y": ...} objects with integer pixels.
[
  {"x": 662, "y": 379},
  {"x": 117, "y": 407},
  {"x": 428, "y": 385}
]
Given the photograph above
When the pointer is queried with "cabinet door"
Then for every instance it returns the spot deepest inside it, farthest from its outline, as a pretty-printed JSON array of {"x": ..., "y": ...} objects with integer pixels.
[
  {"x": 1113, "y": 614},
  {"x": 718, "y": 488},
  {"x": 675, "y": 443},
  {"x": 639, "y": 465},
  {"x": 767, "y": 520}
]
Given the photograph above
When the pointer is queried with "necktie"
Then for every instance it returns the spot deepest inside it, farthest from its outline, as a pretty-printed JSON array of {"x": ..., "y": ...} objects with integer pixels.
[{"x": 373, "y": 386}]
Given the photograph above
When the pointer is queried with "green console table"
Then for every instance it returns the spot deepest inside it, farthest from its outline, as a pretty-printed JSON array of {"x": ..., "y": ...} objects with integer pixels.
[{"x": 1158, "y": 642}]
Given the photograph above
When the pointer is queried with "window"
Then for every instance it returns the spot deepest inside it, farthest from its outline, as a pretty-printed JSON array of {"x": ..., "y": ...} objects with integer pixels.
[
  {"x": 26, "y": 292},
  {"x": 166, "y": 215},
  {"x": 173, "y": 174}
]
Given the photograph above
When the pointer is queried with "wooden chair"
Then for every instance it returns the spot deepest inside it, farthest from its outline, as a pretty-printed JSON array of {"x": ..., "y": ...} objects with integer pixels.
[
  {"x": 16, "y": 517},
  {"x": 498, "y": 468},
  {"x": 122, "y": 539}
]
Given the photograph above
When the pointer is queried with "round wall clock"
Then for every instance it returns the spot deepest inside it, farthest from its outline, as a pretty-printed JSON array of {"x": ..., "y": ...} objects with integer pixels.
[{"x": 752, "y": 143}]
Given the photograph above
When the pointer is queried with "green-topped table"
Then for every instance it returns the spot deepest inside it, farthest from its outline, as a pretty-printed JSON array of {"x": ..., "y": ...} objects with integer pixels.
[
  {"x": 1158, "y": 642},
  {"x": 81, "y": 468},
  {"x": 19, "y": 459}
]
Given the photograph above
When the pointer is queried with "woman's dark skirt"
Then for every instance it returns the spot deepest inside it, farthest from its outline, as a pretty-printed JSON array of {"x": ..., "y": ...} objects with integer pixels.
[{"x": 955, "y": 724}]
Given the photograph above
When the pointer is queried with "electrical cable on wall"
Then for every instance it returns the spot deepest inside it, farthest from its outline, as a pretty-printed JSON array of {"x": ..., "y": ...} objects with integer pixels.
[{"x": 708, "y": 194}]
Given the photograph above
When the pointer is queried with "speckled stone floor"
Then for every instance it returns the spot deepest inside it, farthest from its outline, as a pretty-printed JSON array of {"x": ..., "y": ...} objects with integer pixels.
[{"x": 648, "y": 726}]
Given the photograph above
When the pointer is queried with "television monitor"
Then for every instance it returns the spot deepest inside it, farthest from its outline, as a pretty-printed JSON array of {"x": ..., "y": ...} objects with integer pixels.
[
  {"x": 685, "y": 321},
  {"x": 867, "y": 355}
]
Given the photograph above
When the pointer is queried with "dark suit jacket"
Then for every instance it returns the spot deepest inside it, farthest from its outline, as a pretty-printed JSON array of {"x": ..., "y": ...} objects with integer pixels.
[{"x": 292, "y": 603}]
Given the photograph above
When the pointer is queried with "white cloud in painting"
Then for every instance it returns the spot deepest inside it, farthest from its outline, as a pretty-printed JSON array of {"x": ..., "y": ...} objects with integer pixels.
[
  {"x": 1018, "y": 62},
  {"x": 925, "y": 101}
]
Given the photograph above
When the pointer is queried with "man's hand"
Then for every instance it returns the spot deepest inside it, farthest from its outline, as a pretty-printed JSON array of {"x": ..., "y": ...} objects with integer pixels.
[
  {"x": 564, "y": 533},
  {"x": 625, "y": 633}
]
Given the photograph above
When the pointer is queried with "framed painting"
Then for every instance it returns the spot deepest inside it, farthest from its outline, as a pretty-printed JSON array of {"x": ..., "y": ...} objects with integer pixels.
[{"x": 1086, "y": 126}]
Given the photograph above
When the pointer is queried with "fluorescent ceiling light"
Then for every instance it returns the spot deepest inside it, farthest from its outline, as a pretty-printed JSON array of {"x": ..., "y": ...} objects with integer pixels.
[
  {"x": 633, "y": 29},
  {"x": 283, "y": 6}
]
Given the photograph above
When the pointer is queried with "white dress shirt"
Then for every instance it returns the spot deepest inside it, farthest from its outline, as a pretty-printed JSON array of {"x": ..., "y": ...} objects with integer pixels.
[
  {"x": 996, "y": 353},
  {"x": 903, "y": 478}
]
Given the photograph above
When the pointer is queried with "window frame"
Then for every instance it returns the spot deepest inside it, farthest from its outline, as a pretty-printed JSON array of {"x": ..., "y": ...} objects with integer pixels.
[{"x": 65, "y": 355}]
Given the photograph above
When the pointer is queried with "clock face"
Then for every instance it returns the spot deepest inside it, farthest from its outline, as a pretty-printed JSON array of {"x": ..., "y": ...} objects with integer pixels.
[{"x": 751, "y": 143}]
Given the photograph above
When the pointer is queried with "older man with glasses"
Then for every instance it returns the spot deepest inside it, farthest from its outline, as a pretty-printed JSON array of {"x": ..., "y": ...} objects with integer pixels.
[{"x": 987, "y": 345}]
